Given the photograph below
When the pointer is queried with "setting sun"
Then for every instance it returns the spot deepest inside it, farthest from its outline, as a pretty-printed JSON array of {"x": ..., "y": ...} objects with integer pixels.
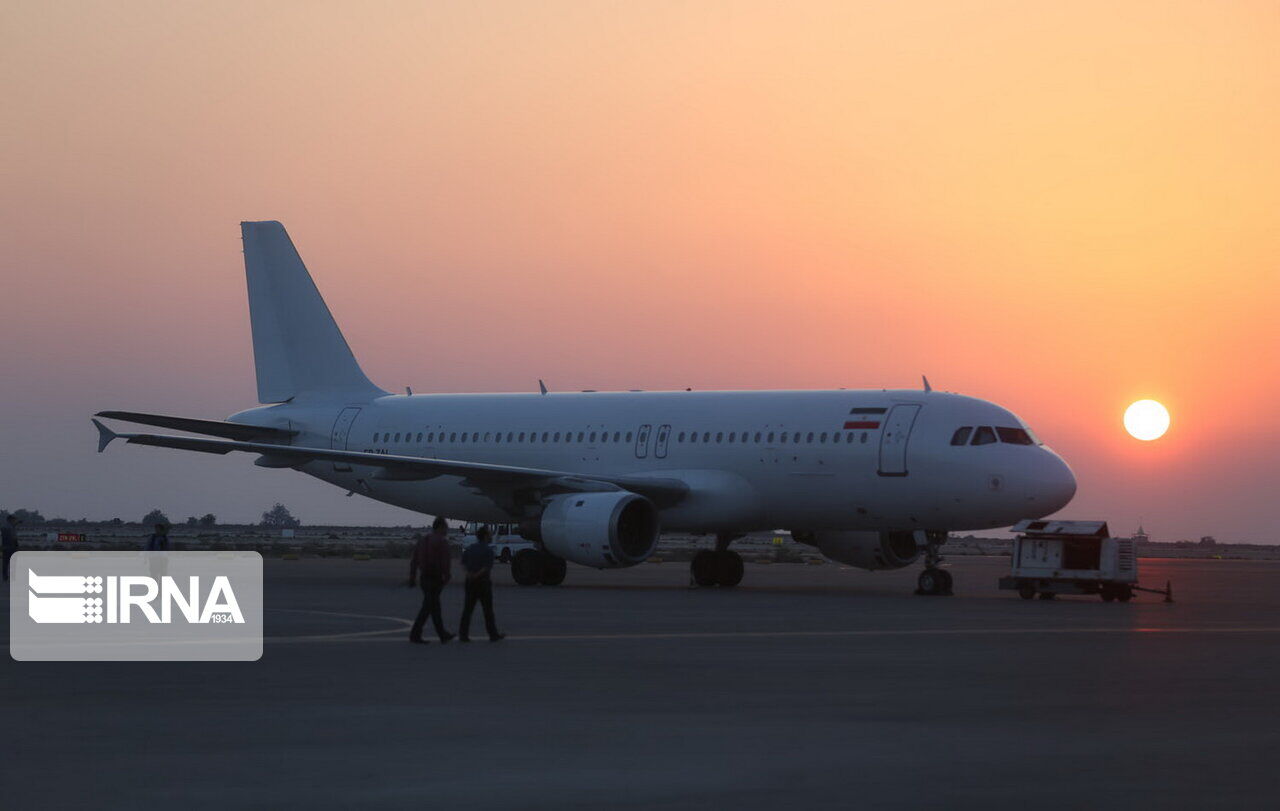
[{"x": 1146, "y": 420}]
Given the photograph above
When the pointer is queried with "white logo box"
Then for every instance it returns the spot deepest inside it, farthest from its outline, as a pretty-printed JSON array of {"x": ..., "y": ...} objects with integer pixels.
[{"x": 135, "y": 606}]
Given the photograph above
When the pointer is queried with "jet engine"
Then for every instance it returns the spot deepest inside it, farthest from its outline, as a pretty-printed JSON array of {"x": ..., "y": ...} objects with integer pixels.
[
  {"x": 866, "y": 550},
  {"x": 603, "y": 530}
]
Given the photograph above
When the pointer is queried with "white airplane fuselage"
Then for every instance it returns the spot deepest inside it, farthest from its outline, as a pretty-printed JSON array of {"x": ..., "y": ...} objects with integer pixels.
[{"x": 753, "y": 460}]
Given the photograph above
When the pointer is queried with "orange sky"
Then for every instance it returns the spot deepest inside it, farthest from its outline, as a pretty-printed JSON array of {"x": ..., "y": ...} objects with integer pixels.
[{"x": 1059, "y": 207}]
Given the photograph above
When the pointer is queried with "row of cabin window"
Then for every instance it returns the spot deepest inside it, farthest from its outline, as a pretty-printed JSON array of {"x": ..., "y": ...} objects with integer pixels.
[
  {"x": 986, "y": 435},
  {"x": 692, "y": 437}
]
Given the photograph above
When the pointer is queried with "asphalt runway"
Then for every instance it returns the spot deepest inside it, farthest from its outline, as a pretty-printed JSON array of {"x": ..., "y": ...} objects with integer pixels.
[{"x": 808, "y": 686}]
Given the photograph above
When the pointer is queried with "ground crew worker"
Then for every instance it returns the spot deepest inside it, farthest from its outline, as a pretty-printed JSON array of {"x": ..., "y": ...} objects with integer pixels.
[
  {"x": 159, "y": 540},
  {"x": 477, "y": 559},
  {"x": 429, "y": 567},
  {"x": 9, "y": 540}
]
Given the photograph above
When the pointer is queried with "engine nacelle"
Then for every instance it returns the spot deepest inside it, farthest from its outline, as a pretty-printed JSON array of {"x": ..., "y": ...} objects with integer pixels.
[
  {"x": 602, "y": 530},
  {"x": 867, "y": 550}
]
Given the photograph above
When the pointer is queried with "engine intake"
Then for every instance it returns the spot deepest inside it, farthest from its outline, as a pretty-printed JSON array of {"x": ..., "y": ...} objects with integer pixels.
[
  {"x": 866, "y": 550},
  {"x": 602, "y": 530}
]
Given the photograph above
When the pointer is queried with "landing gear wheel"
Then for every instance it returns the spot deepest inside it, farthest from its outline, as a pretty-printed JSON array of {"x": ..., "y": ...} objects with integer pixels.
[
  {"x": 505, "y": 557},
  {"x": 931, "y": 582},
  {"x": 553, "y": 570},
  {"x": 704, "y": 568},
  {"x": 1046, "y": 595},
  {"x": 1027, "y": 591},
  {"x": 934, "y": 580},
  {"x": 526, "y": 567},
  {"x": 728, "y": 568},
  {"x": 1108, "y": 594},
  {"x": 1125, "y": 595}
]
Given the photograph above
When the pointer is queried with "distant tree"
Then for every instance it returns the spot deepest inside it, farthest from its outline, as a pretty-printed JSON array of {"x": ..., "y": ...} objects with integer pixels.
[
  {"x": 279, "y": 517},
  {"x": 25, "y": 516},
  {"x": 208, "y": 520},
  {"x": 155, "y": 517},
  {"x": 115, "y": 522},
  {"x": 191, "y": 521}
]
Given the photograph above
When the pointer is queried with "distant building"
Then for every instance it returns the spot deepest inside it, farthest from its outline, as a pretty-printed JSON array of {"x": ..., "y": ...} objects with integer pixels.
[
  {"x": 1141, "y": 535},
  {"x": 1208, "y": 540}
]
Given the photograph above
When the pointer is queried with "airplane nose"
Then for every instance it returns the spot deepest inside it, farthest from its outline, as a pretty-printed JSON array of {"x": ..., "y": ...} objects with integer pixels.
[{"x": 1057, "y": 484}]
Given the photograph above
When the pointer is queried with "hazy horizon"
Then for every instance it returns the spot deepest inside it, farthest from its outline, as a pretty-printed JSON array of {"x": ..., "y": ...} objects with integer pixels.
[{"x": 1061, "y": 209}]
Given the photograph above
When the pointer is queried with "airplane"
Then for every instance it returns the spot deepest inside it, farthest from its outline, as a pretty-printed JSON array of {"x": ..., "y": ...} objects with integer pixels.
[{"x": 875, "y": 479}]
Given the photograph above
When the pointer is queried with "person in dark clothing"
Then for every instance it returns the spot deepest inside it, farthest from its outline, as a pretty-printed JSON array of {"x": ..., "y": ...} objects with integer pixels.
[
  {"x": 429, "y": 568},
  {"x": 9, "y": 540},
  {"x": 159, "y": 540},
  {"x": 478, "y": 561}
]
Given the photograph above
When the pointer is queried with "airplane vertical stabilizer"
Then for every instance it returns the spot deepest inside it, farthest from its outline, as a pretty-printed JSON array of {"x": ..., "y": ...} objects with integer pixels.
[{"x": 297, "y": 346}]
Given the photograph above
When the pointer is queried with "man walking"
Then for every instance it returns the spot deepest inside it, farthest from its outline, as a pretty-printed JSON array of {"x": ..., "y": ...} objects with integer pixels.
[
  {"x": 9, "y": 540},
  {"x": 429, "y": 567},
  {"x": 477, "y": 559}
]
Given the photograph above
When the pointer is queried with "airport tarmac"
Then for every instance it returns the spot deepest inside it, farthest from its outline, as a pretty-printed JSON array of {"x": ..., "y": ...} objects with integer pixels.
[{"x": 808, "y": 686}]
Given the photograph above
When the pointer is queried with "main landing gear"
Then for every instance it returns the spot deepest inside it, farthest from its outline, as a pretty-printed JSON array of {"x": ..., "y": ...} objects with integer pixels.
[
  {"x": 721, "y": 567},
  {"x": 531, "y": 567},
  {"x": 934, "y": 581}
]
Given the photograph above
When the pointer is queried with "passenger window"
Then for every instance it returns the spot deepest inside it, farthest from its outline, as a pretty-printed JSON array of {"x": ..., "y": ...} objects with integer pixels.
[
  {"x": 497, "y": 437},
  {"x": 864, "y": 437},
  {"x": 961, "y": 436},
  {"x": 984, "y": 435},
  {"x": 544, "y": 436},
  {"x": 521, "y": 437},
  {"x": 475, "y": 436},
  {"x": 509, "y": 436},
  {"x": 680, "y": 437},
  {"x": 628, "y": 437},
  {"x": 464, "y": 437},
  {"x": 617, "y": 435},
  {"x": 1014, "y": 436},
  {"x": 554, "y": 438},
  {"x": 486, "y": 436},
  {"x": 757, "y": 437},
  {"x": 796, "y": 438},
  {"x": 431, "y": 437},
  {"x": 823, "y": 439},
  {"x": 593, "y": 436},
  {"x": 732, "y": 435},
  {"x": 453, "y": 437},
  {"x": 849, "y": 437},
  {"x": 720, "y": 436},
  {"x": 706, "y": 436},
  {"x": 693, "y": 437},
  {"x": 579, "y": 436},
  {"x": 397, "y": 436}
]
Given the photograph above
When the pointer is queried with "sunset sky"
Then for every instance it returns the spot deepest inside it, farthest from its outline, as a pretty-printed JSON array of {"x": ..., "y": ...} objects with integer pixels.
[{"x": 1059, "y": 207}]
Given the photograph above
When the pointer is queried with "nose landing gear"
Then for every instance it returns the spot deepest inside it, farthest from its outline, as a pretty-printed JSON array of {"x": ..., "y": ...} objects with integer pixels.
[{"x": 933, "y": 581}]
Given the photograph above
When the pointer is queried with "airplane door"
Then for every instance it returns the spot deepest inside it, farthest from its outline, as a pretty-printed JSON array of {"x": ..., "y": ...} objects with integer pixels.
[
  {"x": 660, "y": 446},
  {"x": 642, "y": 441},
  {"x": 342, "y": 430},
  {"x": 893, "y": 439}
]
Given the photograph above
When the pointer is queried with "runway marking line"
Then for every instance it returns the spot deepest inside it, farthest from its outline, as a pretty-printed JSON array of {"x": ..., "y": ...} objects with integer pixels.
[{"x": 403, "y": 624}]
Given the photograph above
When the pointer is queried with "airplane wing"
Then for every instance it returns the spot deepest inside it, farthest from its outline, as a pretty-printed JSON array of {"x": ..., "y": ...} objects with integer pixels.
[
  {"x": 663, "y": 492},
  {"x": 229, "y": 430}
]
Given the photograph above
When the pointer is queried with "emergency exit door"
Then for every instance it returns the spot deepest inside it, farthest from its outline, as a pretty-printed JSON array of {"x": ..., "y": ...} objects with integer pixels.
[
  {"x": 642, "y": 441},
  {"x": 894, "y": 436},
  {"x": 341, "y": 431}
]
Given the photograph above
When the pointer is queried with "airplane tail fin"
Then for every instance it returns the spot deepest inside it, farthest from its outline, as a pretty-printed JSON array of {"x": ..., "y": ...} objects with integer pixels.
[{"x": 297, "y": 346}]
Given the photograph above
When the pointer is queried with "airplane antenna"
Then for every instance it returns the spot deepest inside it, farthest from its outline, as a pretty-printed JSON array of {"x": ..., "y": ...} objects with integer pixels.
[
  {"x": 542, "y": 386},
  {"x": 927, "y": 387}
]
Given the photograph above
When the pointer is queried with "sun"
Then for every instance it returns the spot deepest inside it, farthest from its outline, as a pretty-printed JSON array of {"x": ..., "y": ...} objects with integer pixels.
[{"x": 1146, "y": 420}]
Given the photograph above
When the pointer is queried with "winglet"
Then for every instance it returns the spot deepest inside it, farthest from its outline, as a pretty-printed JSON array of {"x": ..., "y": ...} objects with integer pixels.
[
  {"x": 927, "y": 387},
  {"x": 105, "y": 435},
  {"x": 542, "y": 386}
]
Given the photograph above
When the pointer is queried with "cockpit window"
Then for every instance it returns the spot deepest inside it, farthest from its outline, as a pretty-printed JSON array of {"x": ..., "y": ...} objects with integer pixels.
[
  {"x": 984, "y": 435},
  {"x": 961, "y": 436},
  {"x": 1015, "y": 436}
]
